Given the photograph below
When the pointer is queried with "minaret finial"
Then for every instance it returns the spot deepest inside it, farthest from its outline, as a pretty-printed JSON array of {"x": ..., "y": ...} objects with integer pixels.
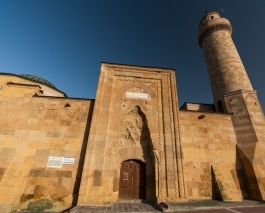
[{"x": 223, "y": 12}]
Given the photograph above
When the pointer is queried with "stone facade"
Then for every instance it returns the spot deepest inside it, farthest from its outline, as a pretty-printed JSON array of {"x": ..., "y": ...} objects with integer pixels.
[
  {"x": 57, "y": 152},
  {"x": 153, "y": 92},
  {"x": 209, "y": 144},
  {"x": 32, "y": 128}
]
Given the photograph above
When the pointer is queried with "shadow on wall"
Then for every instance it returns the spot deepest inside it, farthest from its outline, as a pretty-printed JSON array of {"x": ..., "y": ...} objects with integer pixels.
[
  {"x": 82, "y": 156},
  {"x": 216, "y": 195},
  {"x": 239, "y": 178},
  {"x": 147, "y": 146},
  {"x": 246, "y": 176},
  {"x": 145, "y": 139}
]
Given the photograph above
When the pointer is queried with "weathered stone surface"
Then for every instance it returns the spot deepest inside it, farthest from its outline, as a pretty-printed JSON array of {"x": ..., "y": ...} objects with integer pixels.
[
  {"x": 205, "y": 142},
  {"x": 32, "y": 129},
  {"x": 201, "y": 151},
  {"x": 225, "y": 183},
  {"x": 138, "y": 121},
  {"x": 233, "y": 93}
]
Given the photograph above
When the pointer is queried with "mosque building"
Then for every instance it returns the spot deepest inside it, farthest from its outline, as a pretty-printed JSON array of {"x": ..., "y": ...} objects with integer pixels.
[{"x": 133, "y": 141}]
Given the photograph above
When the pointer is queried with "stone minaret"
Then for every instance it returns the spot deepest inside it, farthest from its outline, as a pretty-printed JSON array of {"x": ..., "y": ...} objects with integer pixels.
[
  {"x": 233, "y": 93},
  {"x": 226, "y": 70}
]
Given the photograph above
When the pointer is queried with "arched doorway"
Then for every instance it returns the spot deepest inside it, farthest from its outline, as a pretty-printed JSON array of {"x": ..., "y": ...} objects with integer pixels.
[{"x": 132, "y": 180}]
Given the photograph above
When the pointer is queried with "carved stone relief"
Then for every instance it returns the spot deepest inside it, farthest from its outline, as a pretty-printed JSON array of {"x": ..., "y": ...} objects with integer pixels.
[{"x": 135, "y": 131}]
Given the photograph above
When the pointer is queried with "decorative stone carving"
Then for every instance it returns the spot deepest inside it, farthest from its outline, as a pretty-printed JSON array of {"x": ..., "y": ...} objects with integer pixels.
[
  {"x": 134, "y": 128},
  {"x": 156, "y": 154},
  {"x": 124, "y": 105}
]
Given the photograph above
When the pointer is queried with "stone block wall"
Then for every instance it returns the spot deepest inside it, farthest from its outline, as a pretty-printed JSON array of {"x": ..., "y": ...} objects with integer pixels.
[
  {"x": 249, "y": 123},
  {"x": 226, "y": 70},
  {"x": 208, "y": 140},
  {"x": 32, "y": 129}
]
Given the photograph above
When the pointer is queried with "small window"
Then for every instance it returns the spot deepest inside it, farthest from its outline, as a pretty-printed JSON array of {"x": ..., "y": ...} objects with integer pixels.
[{"x": 212, "y": 17}]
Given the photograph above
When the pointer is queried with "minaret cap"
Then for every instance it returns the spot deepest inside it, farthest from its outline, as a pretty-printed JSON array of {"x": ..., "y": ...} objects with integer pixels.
[{"x": 210, "y": 23}]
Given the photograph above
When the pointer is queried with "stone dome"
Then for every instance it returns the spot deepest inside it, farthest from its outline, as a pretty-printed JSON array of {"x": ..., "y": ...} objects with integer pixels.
[{"x": 38, "y": 79}]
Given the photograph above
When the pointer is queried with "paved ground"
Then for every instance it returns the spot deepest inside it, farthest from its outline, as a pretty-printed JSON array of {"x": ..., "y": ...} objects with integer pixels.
[
  {"x": 144, "y": 209},
  {"x": 118, "y": 207},
  {"x": 192, "y": 206},
  {"x": 230, "y": 210},
  {"x": 209, "y": 206}
]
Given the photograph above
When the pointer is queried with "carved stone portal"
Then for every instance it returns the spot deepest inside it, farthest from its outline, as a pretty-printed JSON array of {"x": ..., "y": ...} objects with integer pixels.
[{"x": 136, "y": 109}]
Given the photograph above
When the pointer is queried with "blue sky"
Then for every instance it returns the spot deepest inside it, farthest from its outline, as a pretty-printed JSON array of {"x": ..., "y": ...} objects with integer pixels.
[{"x": 65, "y": 41}]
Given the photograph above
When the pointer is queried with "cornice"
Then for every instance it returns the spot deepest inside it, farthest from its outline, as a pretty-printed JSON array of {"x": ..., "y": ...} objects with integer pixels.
[
  {"x": 136, "y": 68},
  {"x": 23, "y": 85}
]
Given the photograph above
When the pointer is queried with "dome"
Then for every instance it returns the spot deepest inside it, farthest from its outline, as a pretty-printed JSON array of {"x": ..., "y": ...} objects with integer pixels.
[{"x": 38, "y": 79}]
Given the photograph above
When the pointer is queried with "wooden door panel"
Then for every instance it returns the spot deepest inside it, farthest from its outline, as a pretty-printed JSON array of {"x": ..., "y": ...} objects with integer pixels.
[
  {"x": 132, "y": 180},
  {"x": 136, "y": 180},
  {"x": 125, "y": 180}
]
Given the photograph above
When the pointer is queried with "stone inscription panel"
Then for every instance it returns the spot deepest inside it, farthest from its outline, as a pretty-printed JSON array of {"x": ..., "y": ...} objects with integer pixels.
[{"x": 137, "y": 95}]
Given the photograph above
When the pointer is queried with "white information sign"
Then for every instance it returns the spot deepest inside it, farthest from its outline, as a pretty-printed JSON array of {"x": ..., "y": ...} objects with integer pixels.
[
  {"x": 55, "y": 162},
  {"x": 68, "y": 161},
  {"x": 137, "y": 95}
]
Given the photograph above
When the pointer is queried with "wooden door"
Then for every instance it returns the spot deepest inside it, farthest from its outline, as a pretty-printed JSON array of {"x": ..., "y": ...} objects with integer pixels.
[{"x": 132, "y": 180}]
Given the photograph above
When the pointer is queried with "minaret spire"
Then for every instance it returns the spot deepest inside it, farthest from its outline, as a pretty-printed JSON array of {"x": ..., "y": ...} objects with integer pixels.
[
  {"x": 233, "y": 93},
  {"x": 226, "y": 70}
]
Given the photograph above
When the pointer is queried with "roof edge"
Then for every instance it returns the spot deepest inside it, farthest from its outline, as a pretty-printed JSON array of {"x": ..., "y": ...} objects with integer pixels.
[{"x": 12, "y": 74}]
